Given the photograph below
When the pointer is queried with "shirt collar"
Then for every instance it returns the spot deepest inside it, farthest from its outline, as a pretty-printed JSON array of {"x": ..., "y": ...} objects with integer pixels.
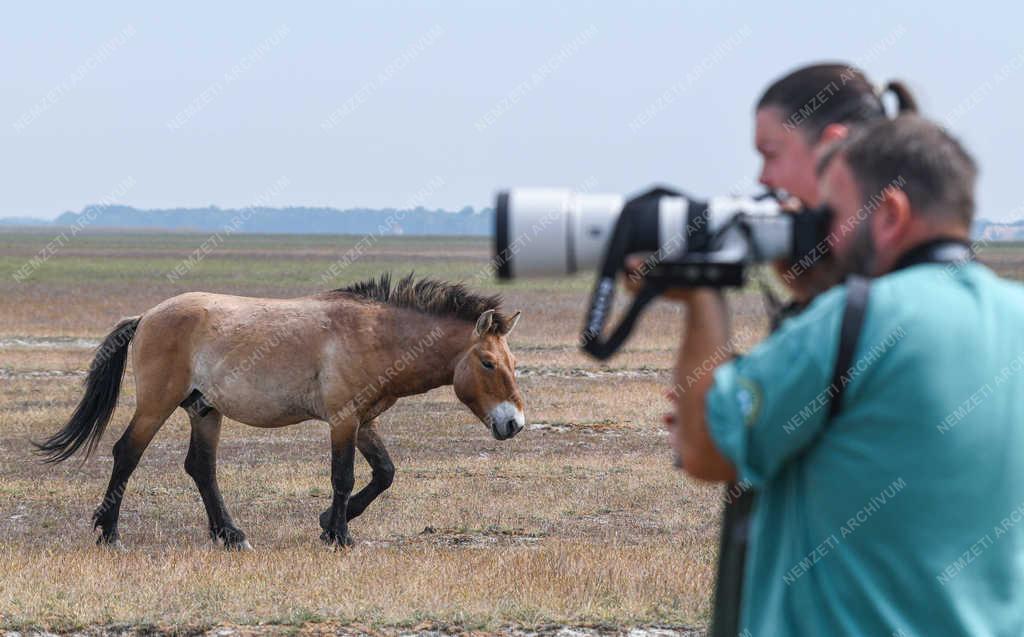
[{"x": 939, "y": 250}]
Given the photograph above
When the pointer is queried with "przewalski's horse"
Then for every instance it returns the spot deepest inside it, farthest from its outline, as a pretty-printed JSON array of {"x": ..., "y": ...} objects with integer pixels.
[{"x": 342, "y": 357}]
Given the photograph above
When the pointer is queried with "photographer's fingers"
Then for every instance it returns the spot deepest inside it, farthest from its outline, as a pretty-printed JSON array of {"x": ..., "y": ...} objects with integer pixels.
[{"x": 634, "y": 270}]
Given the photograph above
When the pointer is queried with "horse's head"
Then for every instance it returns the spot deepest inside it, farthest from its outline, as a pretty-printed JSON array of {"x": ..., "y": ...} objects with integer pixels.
[{"x": 485, "y": 377}]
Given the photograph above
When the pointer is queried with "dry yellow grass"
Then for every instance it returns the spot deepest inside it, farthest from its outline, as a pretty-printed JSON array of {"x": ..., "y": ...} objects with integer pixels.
[{"x": 583, "y": 525}]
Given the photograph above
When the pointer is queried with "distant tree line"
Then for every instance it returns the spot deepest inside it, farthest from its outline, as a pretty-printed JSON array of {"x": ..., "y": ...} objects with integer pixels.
[{"x": 291, "y": 220}]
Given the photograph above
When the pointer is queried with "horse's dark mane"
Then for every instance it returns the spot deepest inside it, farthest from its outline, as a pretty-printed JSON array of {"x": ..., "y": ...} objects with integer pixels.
[{"x": 430, "y": 296}]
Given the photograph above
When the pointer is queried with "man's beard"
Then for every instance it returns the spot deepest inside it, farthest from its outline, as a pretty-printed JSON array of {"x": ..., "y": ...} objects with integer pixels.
[{"x": 860, "y": 259}]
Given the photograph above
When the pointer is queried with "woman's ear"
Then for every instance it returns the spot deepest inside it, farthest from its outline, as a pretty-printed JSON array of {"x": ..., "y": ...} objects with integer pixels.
[{"x": 832, "y": 134}]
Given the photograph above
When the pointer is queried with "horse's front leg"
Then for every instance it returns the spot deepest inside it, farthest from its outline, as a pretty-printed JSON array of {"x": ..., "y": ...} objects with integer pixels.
[
  {"x": 372, "y": 447},
  {"x": 343, "y": 452}
]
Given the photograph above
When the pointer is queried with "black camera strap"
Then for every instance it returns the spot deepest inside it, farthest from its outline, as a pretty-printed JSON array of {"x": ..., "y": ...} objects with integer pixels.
[
  {"x": 739, "y": 502},
  {"x": 857, "y": 291},
  {"x": 602, "y": 299}
]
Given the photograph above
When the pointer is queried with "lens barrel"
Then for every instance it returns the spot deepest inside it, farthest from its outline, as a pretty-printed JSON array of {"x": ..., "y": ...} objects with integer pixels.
[{"x": 551, "y": 232}]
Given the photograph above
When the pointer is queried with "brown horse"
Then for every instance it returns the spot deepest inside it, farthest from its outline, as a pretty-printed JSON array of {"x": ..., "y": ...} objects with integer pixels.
[{"x": 342, "y": 357}]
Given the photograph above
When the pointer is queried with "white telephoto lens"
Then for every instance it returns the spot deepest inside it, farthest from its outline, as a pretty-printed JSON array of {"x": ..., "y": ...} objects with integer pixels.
[
  {"x": 554, "y": 232},
  {"x": 592, "y": 221}
]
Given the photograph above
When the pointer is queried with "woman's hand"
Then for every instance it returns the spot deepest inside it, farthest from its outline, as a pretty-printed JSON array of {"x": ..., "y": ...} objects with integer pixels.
[{"x": 636, "y": 268}]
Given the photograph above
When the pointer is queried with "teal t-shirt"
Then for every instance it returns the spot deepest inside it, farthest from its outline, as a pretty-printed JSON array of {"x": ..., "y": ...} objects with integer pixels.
[{"x": 905, "y": 514}]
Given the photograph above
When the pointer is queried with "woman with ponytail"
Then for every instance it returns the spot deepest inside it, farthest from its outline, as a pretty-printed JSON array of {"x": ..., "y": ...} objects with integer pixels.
[
  {"x": 803, "y": 112},
  {"x": 797, "y": 117}
]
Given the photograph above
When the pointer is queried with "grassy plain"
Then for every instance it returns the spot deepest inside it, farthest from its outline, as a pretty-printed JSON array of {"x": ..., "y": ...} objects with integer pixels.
[{"x": 580, "y": 520}]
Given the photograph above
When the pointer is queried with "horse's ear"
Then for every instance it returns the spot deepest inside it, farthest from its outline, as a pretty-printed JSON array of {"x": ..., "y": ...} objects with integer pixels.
[
  {"x": 483, "y": 324},
  {"x": 512, "y": 323}
]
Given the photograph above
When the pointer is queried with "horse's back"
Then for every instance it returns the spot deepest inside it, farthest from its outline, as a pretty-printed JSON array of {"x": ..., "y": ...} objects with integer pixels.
[
  {"x": 229, "y": 315},
  {"x": 257, "y": 360}
]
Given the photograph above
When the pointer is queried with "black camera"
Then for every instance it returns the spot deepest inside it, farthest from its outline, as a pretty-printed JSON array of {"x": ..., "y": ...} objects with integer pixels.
[{"x": 690, "y": 243}]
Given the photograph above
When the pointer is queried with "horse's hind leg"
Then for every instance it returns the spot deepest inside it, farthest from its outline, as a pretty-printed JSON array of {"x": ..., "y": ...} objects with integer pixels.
[
  {"x": 127, "y": 452},
  {"x": 161, "y": 366},
  {"x": 372, "y": 447},
  {"x": 201, "y": 464}
]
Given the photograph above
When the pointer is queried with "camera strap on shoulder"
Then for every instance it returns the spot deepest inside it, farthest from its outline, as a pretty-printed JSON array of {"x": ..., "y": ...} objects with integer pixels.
[
  {"x": 941, "y": 251},
  {"x": 857, "y": 291}
]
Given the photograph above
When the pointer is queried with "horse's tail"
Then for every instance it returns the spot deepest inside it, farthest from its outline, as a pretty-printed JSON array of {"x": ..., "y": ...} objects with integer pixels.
[{"x": 102, "y": 386}]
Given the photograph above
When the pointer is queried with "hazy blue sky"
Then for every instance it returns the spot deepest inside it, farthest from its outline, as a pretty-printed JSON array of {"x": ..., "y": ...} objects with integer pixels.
[{"x": 441, "y": 103}]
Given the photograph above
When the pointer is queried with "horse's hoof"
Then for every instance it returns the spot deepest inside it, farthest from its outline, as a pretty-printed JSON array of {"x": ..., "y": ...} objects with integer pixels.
[
  {"x": 242, "y": 545},
  {"x": 231, "y": 539},
  {"x": 335, "y": 547},
  {"x": 335, "y": 541}
]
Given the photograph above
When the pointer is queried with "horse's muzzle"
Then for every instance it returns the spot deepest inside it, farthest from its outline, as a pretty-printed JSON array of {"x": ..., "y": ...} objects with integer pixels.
[{"x": 506, "y": 420}]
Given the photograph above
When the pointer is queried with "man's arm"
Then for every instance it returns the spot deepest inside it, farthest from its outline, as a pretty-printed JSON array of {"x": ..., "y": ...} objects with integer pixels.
[{"x": 705, "y": 346}]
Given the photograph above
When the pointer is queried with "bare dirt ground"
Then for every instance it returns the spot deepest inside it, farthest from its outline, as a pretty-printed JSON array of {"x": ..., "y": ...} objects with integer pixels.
[{"x": 578, "y": 526}]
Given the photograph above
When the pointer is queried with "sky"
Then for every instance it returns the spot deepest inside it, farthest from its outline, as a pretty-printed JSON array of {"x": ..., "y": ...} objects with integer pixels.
[{"x": 441, "y": 104}]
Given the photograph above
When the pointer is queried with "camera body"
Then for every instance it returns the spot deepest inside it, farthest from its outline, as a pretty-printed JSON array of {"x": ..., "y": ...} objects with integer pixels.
[{"x": 689, "y": 242}]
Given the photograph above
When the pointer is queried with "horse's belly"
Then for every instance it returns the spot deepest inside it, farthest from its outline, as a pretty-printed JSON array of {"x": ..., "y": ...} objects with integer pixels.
[
  {"x": 263, "y": 395},
  {"x": 262, "y": 413}
]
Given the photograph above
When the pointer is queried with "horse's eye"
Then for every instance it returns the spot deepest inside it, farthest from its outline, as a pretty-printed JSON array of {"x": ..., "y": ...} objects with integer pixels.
[{"x": 487, "y": 364}]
